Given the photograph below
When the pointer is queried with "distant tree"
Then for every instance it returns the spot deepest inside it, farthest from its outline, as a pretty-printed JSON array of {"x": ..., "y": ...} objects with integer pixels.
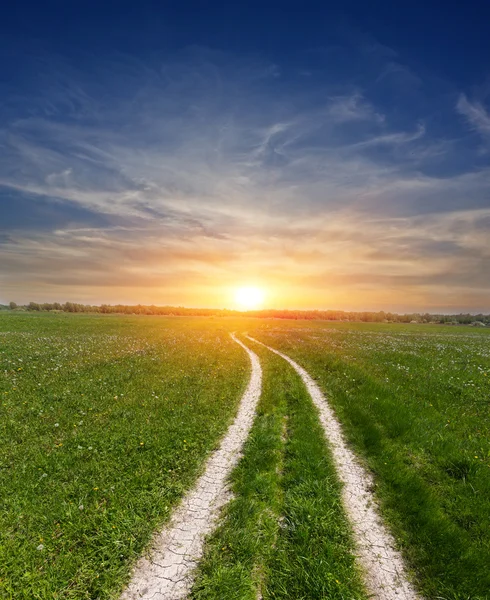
[
  {"x": 13, "y": 305},
  {"x": 329, "y": 315}
]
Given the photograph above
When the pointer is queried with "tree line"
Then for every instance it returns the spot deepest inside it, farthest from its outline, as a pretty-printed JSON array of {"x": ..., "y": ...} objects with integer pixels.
[{"x": 324, "y": 315}]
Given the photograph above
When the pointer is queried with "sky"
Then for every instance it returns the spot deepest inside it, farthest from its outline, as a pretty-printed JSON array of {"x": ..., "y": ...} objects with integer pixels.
[{"x": 334, "y": 155}]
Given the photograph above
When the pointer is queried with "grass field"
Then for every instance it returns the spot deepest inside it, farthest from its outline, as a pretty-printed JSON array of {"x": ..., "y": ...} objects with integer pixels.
[
  {"x": 106, "y": 420},
  {"x": 285, "y": 534},
  {"x": 414, "y": 402}
]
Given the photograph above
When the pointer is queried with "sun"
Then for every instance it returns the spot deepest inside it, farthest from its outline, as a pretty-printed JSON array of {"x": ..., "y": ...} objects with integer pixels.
[{"x": 249, "y": 298}]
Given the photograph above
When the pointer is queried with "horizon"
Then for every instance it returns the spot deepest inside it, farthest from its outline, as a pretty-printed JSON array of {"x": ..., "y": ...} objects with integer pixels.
[
  {"x": 250, "y": 310},
  {"x": 324, "y": 157}
]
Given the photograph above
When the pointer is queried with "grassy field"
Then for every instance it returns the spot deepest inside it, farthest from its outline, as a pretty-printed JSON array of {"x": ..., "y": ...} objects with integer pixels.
[
  {"x": 285, "y": 534},
  {"x": 106, "y": 420},
  {"x": 414, "y": 403},
  {"x": 104, "y": 423}
]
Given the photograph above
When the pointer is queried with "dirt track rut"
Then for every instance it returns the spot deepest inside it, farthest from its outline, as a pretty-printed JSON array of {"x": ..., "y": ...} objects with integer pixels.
[{"x": 167, "y": 572}]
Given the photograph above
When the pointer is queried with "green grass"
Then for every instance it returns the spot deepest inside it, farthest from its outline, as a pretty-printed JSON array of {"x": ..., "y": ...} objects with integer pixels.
[
  {"x": 104, "y": 422},
  {"x": 414, "y": 402},
  {"x": 284, "y": 533}
]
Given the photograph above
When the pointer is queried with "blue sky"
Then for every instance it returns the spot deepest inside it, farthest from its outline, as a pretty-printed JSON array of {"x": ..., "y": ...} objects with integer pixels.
[{"x": 337, "y": 156}]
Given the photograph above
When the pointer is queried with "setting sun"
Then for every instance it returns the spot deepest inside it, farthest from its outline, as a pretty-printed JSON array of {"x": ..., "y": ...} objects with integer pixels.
[{"x": 249, "y": 298}]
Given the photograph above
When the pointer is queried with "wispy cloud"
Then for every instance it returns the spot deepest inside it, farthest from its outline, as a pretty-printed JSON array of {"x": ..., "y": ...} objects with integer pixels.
[
  {"x": 395, "y": 139},
  {"x": 149, "y": 183},
  {"x": 476, "y": 114},
  {"x": 352, "y": 107}
]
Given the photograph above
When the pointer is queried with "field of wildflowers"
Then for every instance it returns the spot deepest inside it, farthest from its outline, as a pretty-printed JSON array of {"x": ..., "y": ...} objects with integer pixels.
[
  {"x": 414, "y": 402},
  {"x": 104, "y": 422}
]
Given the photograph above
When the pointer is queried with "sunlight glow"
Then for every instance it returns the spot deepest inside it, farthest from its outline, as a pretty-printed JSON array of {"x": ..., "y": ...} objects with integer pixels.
[{"x": 249, "y": 298}]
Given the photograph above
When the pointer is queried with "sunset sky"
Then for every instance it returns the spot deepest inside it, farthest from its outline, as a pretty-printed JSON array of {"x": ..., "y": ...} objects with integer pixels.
[{"x": 170, "y": 153}]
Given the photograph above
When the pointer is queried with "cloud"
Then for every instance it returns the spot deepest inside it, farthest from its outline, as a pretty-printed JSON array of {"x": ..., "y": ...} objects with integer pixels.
[
  {"x": 168, "y": 183},
  {"x": 395, "y": 139},
  {"x": 476, "y": 115},
  {"x": 352, "y": 107}
]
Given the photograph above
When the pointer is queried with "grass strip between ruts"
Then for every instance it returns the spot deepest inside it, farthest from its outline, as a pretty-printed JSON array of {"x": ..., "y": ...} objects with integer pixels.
[{"x": 284, "y": 535}]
